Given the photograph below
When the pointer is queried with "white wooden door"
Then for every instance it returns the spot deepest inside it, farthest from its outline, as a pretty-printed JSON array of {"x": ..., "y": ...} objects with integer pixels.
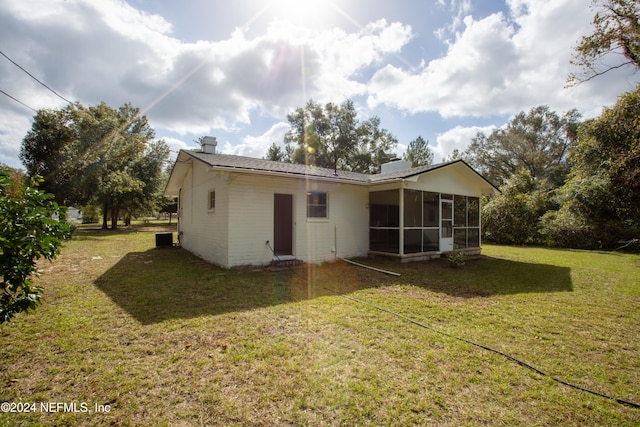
[{"x": 446, "y": 224}]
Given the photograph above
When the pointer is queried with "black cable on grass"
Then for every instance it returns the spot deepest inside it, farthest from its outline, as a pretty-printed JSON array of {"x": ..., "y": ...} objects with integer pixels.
[{"x": 484, "y": 347}]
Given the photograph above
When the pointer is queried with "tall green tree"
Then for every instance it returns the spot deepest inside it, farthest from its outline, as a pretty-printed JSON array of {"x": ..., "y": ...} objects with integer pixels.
[
  {"x": 28, "y": 233},
  {"x": 419, "y": 153},
  {"x": 616, "y": 29},
  {"x": 601, "y": 199},
  {"x": 375, "y": 146},
  {"x": 96, "y": 154},
  {"x": 332, "y": 136},
  {"x": 539, "y": 141},
  {"x": 47, "y": 150},
  {"x": 149, "y": 168}
]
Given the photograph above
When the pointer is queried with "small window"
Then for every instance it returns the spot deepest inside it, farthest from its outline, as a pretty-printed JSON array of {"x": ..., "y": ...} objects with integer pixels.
[
  {"x": 212, "y": 200},
  {"x": 316, "y": 204}
]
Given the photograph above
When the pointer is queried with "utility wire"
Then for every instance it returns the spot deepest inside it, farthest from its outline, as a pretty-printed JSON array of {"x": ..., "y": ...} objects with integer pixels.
[
  {"x": 17, "y": 100},
  {"x": 34, "y": 78},
  {"x": 484, "y": 347}
]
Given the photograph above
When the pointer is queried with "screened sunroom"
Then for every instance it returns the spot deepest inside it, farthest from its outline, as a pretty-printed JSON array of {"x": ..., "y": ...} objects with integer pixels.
[{"x": 422, "y": 224}]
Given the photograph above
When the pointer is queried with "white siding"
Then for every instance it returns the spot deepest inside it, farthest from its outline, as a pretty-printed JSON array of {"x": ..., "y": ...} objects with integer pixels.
[
  {"x": 237, "y": 231},
  {"x": 314, "y": 240},
  {"x": 202, "y": 231},
  {"x": 450, "y": 180}
]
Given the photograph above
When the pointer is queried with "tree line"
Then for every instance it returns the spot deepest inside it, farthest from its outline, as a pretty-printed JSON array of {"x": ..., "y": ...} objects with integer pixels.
[{"x": 563, "y": 182}]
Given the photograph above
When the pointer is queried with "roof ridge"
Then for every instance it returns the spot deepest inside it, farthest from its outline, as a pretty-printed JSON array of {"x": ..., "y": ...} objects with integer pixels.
[{"x": 266, "y": 165}]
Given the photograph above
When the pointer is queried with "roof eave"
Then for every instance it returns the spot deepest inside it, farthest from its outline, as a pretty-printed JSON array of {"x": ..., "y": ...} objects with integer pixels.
[{"x": 336, "y": 179}]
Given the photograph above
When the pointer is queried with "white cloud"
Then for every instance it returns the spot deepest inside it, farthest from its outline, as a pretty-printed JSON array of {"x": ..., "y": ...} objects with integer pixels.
[
  {"x": 476, "y": 70},
  {"x": 109, "y": 51},
  {"x": 176, "y": 144},
  {"x": 460, "y": 9},
  {"x": 501, "y": 64},
  {"x": 12, "y": 129},
  {"x": 457, "y": 138},
  {"x": 257, "y": 146}
]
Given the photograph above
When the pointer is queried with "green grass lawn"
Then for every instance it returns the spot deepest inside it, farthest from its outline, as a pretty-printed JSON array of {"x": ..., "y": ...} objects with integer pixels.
[{"x": 159, "y": 337}]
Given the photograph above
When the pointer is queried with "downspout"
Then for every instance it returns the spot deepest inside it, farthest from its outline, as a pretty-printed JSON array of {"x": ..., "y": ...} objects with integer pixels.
[
  {"x": 179, "y": 214},
  {"x": 335, "y": 242},
  {"x": 480, "y": 223},
  {"x": 401, "y": 222}
]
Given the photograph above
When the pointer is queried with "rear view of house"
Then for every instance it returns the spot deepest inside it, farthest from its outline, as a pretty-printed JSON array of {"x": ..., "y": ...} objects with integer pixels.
[{"x": 236, "y": 210}]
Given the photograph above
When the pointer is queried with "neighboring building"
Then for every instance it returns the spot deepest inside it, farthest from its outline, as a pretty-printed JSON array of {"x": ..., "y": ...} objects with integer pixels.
[
  {"x": 74, "y": 214},
  {"x": 235, "y": 210}
]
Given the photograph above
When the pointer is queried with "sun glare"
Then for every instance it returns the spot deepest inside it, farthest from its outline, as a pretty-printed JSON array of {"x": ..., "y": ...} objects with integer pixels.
[{"x": 302, "y": 12}]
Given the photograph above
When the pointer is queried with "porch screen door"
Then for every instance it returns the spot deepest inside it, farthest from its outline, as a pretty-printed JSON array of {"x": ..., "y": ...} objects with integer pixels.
[{"x": 446, "y": 223}]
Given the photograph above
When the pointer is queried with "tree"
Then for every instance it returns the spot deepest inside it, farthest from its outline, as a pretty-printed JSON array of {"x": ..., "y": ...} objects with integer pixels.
[
  {"x": 275, "y": 153},
  {"x": 374, "y": 147},
  {"x": 46, "y": 150},
  {"x": 148, "y": 168},
  {"x": 601, "y": 199},
  {"x": 455, "y": 155},
  {"x": 513, "y": 216},
  {"x": 539, "y": 141},
  {"x": 419, "y": 153},
  {"x": 331, "y": 136},
  {"x": 169, "y": 206},
  {"x": 17, "y": 179},
  {"x": 616, "y": 30},
  {"x": 98, "y": 155},
  {"x": 27, "y": 233},
  {"x": 113, "y": 143}
]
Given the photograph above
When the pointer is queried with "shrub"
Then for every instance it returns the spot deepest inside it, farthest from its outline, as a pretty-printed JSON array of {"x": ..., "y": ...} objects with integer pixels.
[
  {"x": 28, "y": 232},
  {"x": 456, "y": 258},
  {"x": 90, "y": 214},
  {"x": 513, "y": 216}
]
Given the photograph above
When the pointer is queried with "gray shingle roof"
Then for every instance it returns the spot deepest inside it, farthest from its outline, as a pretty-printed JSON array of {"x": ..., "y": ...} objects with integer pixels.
[{"x": 252, "y": 164}]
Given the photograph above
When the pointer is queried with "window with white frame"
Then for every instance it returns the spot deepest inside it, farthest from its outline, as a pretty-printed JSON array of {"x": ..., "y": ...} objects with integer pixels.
[
  {"x": 212, "y": 200},
  {"x": 317, "y": 204}
]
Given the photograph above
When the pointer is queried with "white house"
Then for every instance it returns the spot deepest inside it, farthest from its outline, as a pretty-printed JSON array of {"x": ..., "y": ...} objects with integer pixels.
[{"x": 235, "y": 210}]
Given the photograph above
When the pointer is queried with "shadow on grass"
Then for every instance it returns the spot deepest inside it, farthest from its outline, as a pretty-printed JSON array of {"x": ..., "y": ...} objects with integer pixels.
[
  {"x": 484, "y": 276},
  {"x": 96, "y": 230},
  {"x": 171, "y": 283}
]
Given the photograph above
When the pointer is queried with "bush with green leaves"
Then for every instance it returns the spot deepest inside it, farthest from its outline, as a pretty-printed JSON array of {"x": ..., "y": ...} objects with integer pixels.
[
  {"x": 456, "y": 258},
  {"x": 28, "y": 233},
  {"x": 513, "y": 216},
  {"x": 600, "y": 201}
]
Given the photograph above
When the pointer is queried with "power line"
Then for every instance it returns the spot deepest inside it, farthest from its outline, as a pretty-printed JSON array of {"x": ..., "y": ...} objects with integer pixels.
[
  {"x": 484, "y": 347},
  {"x": 17, "y": 100},
  {"x": 34, "y": 78},
  {"x": 465, "y": 340}
]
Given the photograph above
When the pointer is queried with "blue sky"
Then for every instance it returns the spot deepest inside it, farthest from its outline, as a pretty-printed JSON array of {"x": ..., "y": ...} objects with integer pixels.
[{"x": 440, "y": 69}]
